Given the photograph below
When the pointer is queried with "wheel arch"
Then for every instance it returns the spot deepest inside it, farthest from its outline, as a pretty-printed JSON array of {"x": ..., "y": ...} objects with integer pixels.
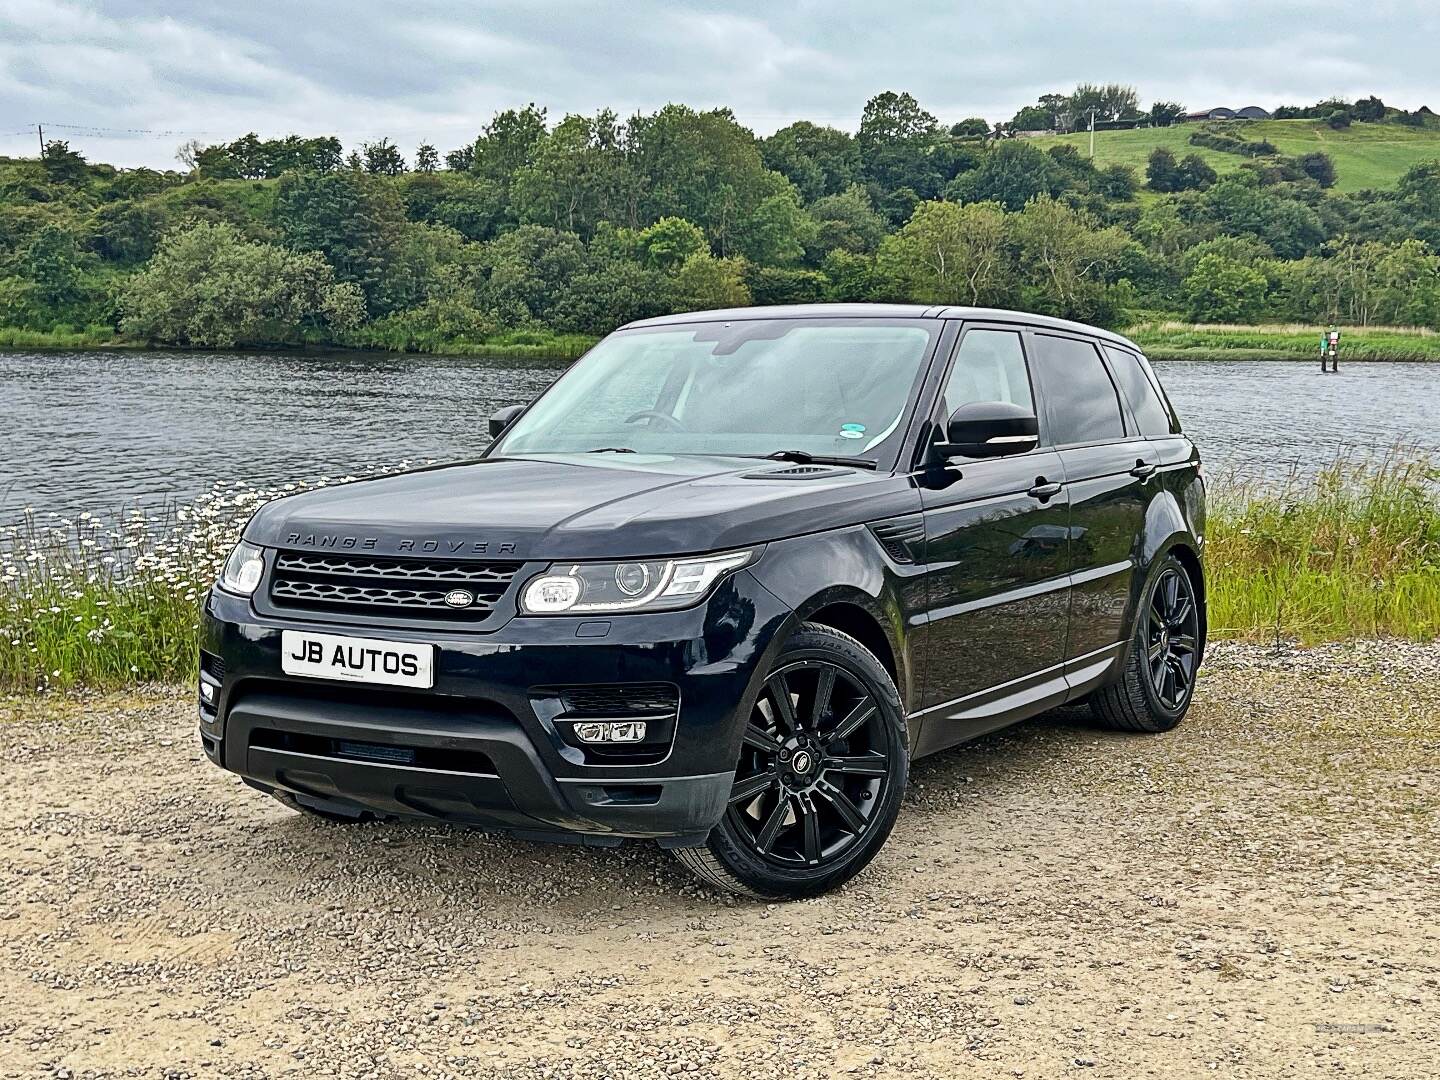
[{"x": 843, "y": 580}]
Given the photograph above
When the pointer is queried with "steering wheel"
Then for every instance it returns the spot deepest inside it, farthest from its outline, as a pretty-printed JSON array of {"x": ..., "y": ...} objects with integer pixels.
[{"x": 656, "y": 416}]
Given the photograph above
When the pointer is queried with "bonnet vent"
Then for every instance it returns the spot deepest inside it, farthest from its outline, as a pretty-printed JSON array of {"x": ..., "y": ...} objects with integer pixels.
[{"x": 797, "y": 472}]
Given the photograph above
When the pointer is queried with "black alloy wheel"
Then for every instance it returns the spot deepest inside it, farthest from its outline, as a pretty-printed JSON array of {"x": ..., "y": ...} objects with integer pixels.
[
  {"x": 822, "y": 769},
  {"x": 1153, "y": 690},
  {"x": 812, "y": 766},
  {"x": 1172, "y": 637}
]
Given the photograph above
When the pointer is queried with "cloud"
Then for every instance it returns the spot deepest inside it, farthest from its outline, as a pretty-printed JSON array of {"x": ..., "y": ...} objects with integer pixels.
[{"x": 430, "y": 71}]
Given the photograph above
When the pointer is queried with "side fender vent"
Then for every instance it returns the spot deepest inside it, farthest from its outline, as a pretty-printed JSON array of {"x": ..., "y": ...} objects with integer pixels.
[{"x": 900, "y": 536}]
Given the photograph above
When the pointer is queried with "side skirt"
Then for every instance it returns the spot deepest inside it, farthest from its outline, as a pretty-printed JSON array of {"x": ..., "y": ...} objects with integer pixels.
[{"x": 954, "y": 722}]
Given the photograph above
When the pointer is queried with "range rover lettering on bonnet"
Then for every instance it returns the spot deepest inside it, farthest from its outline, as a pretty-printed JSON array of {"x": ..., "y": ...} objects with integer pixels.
[{"x": 371, "y": 543}]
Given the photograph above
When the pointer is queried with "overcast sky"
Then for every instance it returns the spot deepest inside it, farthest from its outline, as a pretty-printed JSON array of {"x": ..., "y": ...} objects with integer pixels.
[{"x": 156, "y": 74}]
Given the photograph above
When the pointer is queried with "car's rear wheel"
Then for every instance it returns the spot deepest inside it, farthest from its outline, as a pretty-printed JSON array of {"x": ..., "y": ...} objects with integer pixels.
[
  {"x": 821, "y": 775},
  {"x": 1154, "y": 692}
]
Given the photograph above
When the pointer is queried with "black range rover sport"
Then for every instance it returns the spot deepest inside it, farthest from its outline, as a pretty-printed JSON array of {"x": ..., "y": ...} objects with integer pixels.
[{"x": 718, "y": 586}]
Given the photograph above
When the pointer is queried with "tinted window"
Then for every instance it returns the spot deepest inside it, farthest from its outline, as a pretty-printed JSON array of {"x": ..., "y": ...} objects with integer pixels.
[
  {"x": 990, "y": 366},
  {"x": 1079, "y": 396},
  {"x": 1150, "y": 412}
]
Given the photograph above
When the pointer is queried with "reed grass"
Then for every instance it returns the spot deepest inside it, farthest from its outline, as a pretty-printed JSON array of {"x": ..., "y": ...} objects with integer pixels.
[{"x": 1353, "y": 551}]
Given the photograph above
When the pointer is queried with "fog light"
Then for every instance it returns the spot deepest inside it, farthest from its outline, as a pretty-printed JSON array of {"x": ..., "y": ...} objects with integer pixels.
[
  {"x": 624, "y": 731},
  {"x": 207, "y": 692}
]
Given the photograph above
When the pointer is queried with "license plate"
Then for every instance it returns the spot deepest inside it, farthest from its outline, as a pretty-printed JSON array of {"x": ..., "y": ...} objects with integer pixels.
[{"x": 357, "y": 659}]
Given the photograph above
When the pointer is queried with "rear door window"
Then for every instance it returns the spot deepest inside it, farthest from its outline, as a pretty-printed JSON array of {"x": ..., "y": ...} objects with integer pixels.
[
  {"x": 1149, "y": 411},
  {"x": 1081, "y": 401}
]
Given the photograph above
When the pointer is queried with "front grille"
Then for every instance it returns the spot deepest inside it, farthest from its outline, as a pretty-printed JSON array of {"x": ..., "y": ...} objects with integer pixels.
[
  {"x": 618, "y": 699},
  {"x": 399, "y": 588}
]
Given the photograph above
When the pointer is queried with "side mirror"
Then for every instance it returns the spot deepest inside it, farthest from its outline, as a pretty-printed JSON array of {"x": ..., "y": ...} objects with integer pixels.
[
  {"x": 990, "y": 429},
  {"x": 500, "y": 419}
]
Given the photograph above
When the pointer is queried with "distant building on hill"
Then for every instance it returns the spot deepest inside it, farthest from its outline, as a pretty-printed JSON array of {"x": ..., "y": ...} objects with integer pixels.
[{"x": 1249, "y": 112}]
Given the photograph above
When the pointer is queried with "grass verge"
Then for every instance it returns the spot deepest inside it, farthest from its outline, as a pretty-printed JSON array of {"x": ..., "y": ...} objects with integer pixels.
[
  {"x": 1168, "y": 340},
  {"x": 1351, "y": 552}
]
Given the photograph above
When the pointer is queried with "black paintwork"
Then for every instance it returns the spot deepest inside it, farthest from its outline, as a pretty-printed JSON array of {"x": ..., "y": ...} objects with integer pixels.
[{"x": 1003, "y": 586}]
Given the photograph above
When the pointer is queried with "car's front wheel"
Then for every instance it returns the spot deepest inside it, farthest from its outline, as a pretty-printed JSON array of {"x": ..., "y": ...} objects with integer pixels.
[{"x": 822, "y": 772}]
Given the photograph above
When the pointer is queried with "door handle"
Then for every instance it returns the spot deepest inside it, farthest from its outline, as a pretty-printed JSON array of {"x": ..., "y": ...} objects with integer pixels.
[
  {"x": 1143, "y": 469},
  {"x": 1043, "y": 490}
]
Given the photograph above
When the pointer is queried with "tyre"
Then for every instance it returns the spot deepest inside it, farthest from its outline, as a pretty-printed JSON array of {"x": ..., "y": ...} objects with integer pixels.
[
  {"x": 821, "y": 775},
  {"x": 1154, "y": 692},
  {"x": 323, "y": 813}
]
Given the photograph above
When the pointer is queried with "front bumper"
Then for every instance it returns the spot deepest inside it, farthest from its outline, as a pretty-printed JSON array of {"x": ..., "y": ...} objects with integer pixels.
[{"x": 481, "y": 748}]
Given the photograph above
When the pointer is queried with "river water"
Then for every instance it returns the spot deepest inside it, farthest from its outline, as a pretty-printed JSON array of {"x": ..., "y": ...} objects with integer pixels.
[{"x": 97, "y": 431}]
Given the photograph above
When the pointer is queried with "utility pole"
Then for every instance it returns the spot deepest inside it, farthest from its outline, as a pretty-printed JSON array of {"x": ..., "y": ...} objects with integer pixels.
[
  {"x": 1092, "y": 134},
  {"x": 40, "y": 130}
]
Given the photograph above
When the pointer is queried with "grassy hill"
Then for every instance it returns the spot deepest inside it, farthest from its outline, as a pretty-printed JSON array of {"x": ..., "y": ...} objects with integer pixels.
[{"x": 1365, "y": 155}]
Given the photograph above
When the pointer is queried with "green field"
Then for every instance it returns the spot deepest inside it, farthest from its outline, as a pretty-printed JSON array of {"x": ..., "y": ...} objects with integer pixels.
[{"x": 1365, "y": 155}]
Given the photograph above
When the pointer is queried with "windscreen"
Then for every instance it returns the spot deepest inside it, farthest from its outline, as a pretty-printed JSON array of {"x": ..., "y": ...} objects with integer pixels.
[{"x": 748, "y": 388}]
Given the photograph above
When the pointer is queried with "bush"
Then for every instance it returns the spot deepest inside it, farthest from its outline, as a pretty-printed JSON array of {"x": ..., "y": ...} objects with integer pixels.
[
  {"x": 1223, "y": 290},
  {"x": 210, "y": 288}
]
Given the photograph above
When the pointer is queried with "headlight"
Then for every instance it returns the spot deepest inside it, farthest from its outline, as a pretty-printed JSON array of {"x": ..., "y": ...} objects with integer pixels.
[
  {"x": 659, "y": 585},
  {"x": 242, "y": 570}
]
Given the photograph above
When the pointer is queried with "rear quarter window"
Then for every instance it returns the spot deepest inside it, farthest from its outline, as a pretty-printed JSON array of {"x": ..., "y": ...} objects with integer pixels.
[{"x": 1155, "y": 418}]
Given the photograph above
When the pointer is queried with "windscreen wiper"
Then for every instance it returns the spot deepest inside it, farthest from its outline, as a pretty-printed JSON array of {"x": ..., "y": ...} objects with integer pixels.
[
  {"x": 611, "y": 450},
  {"x": 804, "y": 457}
]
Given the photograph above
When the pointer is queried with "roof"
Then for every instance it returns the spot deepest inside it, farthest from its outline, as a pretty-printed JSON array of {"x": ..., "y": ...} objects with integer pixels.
[{"x": 881, "y": 311}]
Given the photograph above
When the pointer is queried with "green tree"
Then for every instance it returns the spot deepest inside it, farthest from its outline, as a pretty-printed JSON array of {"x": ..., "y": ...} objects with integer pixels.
[
  {"x": 427, "y": 160},
  {"x": 896, "y": 141},
  {"x": 1012, "y": 174},
  {"x": 1223, "y": 290},
  {"x": 1069, "y": 264},
  {"x": 1318, "y": 166},
  {"x": 508, "y": 144},
  {"x": 1162, "y": 171},
  {"x": 1368, "y": 109},
  {"x": 705, "y": 283},
  {"x": 705, "y": 168},
  {"x": 53, "y": 265},
  {"x": 610, "y": 293},
  {"x": 1112, "y": 101},
  {"x": 63, "y": 165},
  {"x": 974, "y": 127},
  {"x": 1117, "y": 182},
  {"x": 578, "y": 176},
  {"x": 1165, "y": 113},
  {"x": 209, "y": 287},
  {"x": 355, "y": 221},
  {"x": 382, "y": 158},
  {"x": 528, "y": 271},
  {"x": 819, "y": 161},
  {"x": 846, "y": 222},
  {"x": 1239, "y": 205},
  {"x": 950, "y": 254},
  {"x": 668, "y": 243},
  {"x": 1195, "y": 173}
]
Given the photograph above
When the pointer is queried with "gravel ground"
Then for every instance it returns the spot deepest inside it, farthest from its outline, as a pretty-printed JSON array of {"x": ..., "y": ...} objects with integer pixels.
[{"x": 1255, "y": 894}]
